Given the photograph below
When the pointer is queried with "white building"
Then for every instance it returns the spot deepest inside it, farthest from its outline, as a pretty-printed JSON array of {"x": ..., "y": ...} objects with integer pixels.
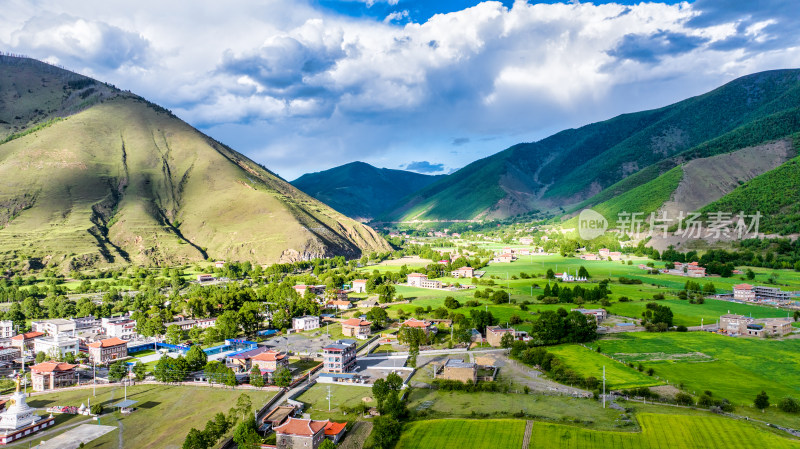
[
  {"x": 61, "y": 342},
  {"x": 305, "y": 323},
  {"x": 6, "y": 329},
  {"x": 359, "y": 286},
  {"x": 463, "y": 272},
  {"x": 744, "y": 292},
  {"x": 54, "y": 326},
  {"x": 123, "y": 328},
  {"x": 422, "y": 281}
]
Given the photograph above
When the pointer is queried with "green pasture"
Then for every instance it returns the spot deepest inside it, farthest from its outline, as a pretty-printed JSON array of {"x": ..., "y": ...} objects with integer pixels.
[
  {"x": 590, "y": 363},
  {"x": 735, "y": 368},
  {"x": 457, "y": 433}
]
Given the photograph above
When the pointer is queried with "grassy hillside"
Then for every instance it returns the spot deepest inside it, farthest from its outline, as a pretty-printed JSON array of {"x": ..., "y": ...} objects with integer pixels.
[
  {"x": 360, "y": 190},
  {"x": 617, "y": 155},
  {"x": 775, "y": 194},
  {"x": 126, "y": 181}
]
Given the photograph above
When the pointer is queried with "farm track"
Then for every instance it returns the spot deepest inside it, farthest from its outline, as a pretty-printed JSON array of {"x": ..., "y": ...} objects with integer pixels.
[{"x": 526, "y": 440}]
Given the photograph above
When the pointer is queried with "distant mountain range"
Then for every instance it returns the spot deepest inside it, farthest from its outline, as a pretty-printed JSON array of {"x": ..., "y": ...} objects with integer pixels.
[
  {"x": 94, "y": 176},
  {"x": 360, "y": 190},
  {"x": 643, "y": 159}
]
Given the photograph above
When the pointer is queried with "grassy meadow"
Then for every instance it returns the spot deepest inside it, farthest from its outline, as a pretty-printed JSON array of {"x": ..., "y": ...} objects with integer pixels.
[
  {"x": 475, "y": 434},
  {"x": 591, "y": 363},
  {"x": 164, "y": 414},
  {"x": 731, "y": 367}
]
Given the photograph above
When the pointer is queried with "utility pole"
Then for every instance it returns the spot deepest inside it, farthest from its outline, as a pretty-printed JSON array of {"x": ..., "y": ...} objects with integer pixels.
[
  {"x": 604, "y": 386},
  {"x": 329, "y": 398}
]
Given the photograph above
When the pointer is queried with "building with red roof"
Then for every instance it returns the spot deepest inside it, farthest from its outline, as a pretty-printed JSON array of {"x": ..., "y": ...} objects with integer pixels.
[
  {"x": 356, "y": 327},
  {"x": 51, "y": 375},
  {"x": 426, "y": 326},
  {"x": 25, "y": 341},
  {"x": 110, "y": 349},
  {"x": 334, "y": 431},
  {"x": 268, "y": 362},
  {"x": 298, "y": 433}
]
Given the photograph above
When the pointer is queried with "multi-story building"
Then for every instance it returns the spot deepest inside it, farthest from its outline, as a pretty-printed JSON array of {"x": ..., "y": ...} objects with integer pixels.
[
  {"x": 356, "y": 327},
  {"x": 108, "y": 350},
  {"x": 84, "y": 322},
  {"x": 339, "y": 357},
  {"x": 744, "y": 292},
  {"x": 62, "y": 343},
  {"x": 54, "y": 326},
  {"x": 25, "y": 341},
  {"x": 734, "y": 324},
  {"x": 305, "y": 323},
  {"x": 6, "y": 328},
  {"x": 422, "y": 281},
  {"x": 463, "y": 272},
  {"x": 316, "y": 289},
  {"x": 771, "y": 293},
  {"x": 598, "y": 314},
  {"x": 123, "y": 328},
  {"x": 9, "y": 354},
  {"x": 241, "y": 362},
  {"x": 52, "y": 375},
  {"x": 494, "y": 334}
]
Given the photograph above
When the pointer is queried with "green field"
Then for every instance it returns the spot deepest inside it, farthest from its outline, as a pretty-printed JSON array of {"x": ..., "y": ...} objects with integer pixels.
[
  {"x": 659, "y": 431},
  {"x": 457, "y": 433},
  {"x": 164, "y": 414},
  {"x": 590, "y": 363},
  {"x": 316, "y": 399},
  {"x": 662, "y": 431},
  {"x": 449, "y": 404},
  {"x": 732, "y": 368},
  {"x": 688, "y": 314}
]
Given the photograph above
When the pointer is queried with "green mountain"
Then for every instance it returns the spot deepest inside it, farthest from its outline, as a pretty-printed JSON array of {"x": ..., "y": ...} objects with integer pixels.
[
  {"x": 360, "y": 190},
  {"x": 96, "y": 176},
  {"x": 597, "y": 162}
]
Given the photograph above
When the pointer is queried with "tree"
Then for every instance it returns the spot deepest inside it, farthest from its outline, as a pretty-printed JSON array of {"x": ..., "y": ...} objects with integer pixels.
[
  {"x": 327, "y": 444},
  {"x": 379, "y": 390},
  {"x": 244, "y": 404},
  {"x": 211, "y": 335},
  {"x": 385, "y": 292},
  {"x": 96, "y": 409},
  {"x": 256, "y": 378},
  {"x": 385, "y": 431},
  {"x": 162, "y": 368},
  {"x": 789, "y": 405},
  {"x": 251, "y": 317},
  {"x": 507, "y": 340},
  {"x": 140, "y": 371},
  {"x": 282, "y": 377},
  {"x": 40, "y": 356},
  {"x": 394, "y": 382},
  {"x": 196, "y": 358},
  {"x": 246, "y": 434},
  {"x": 583, "y": 273},
  {"x": 117, "y": 371},
  {"x": 378, "y": 316},
  {"x": 228, "y": 324},
  {"x": 762, "y": 400},
  {"x": 196, "y": 439},
  {"x": 451, "y": 303},
  {"x": 750, "y": 274},
  {"x": 174, "y": 334}
]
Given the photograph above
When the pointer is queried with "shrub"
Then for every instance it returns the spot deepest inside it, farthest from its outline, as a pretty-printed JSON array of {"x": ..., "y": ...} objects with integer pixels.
[
  {"x": 684, "y": 399},
  {"x": 789, "y": 405},
  {"x": 96, "y": 409},
  {"x": 682, "y": 328}
]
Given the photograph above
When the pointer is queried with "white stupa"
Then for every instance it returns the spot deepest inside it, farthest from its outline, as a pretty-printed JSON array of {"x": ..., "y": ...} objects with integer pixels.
[{"x": 18, "y": 413}]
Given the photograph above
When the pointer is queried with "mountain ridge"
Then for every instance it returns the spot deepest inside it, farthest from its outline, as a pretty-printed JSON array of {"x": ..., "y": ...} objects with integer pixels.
[
  {"x": 360, "y": 190},
  {"x": 122, "y": 180}
]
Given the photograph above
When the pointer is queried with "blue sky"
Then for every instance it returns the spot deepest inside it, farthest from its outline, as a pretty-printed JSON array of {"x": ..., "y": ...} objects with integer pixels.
[{"x": 305, "y": 85}]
